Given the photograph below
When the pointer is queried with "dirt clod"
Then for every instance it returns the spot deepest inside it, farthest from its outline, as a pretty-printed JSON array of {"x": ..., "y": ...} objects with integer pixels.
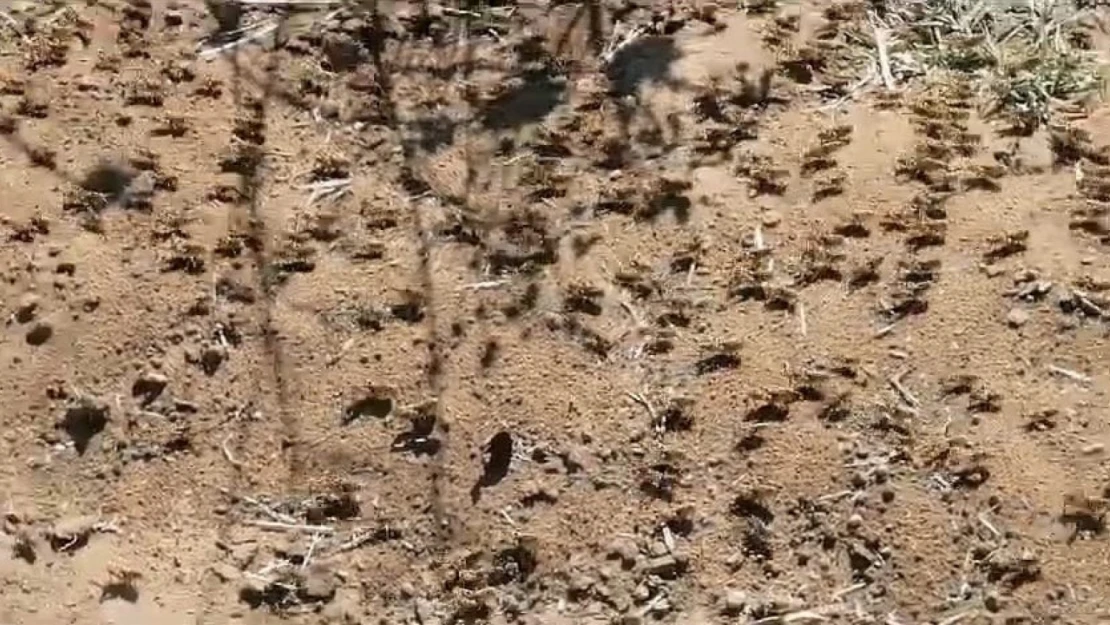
[
  {"x": 149, "y": 386},
  {"x": 83, "y": 419},
  {"x": 530, "y": 313}
]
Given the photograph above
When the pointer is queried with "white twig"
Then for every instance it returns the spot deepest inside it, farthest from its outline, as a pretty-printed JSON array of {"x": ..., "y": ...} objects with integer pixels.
[
  {"x": 802, "y": 327},
  {"x": 227, "y": 452},
  {"x": 347, "y": 345},
  {"x": 615, "y": 45},
  {"x": 291, "y": 527},
  {"x": 640, "y": 399},
  {"x": 316, "y": 538},
  {"x": 849, "y": 590},
  {"x": 801, "y": 616},
  {"x": 267, "y": 510},
  {"x": 885, "y": 330},
  {"x": 327, "y": 189},
  {"x": 8, "y": 19},
  {"x": 896, "y": 383},
  {"x": 990, "y": 526},
  {"x": 460, "y": 12},
  {"x": 480, "y": 286},
  {"x": 355, "y": 542},
  {"x": 315, "y": 3},
  {"x": 881, "y": 40},
  {"x": 247, "y": 35},
  {"x": 325, "y": 184},
  {"x": 1071, "y": 375},
  {"x": 956, "y": 618}
]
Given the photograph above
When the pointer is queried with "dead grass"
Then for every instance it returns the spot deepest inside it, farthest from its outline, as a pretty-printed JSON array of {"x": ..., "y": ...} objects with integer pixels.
[{"x": 1028, "y": 59}]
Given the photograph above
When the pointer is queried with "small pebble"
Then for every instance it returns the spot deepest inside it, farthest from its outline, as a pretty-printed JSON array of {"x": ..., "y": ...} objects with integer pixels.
[
  {"x": 1017, "y": 318},
  {"x": 735, "y": 600},
  {"x": 771, "y": 218},
  {"x": 855, "y": 522},
  {"x": 625, "y": 549},
  {"x": 1093, "y": 448}
]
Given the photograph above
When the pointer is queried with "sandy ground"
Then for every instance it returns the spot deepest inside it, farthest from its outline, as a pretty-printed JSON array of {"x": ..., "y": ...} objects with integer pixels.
[{"x": 393, "y": 325}]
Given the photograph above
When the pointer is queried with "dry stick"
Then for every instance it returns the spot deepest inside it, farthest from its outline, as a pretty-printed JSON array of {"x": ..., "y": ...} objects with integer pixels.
[
  {"x": 1089, "y": 307},
  {"x": 881, "y": 41},
  {"x": 757, "y": 239},
  {"x": 639, "y": 399},
  {"x": 316, "y": 3},
  {"x": 479, "y": 286},
  {"x": 311, "y": 548},
  {"x": 353, "y": 543},
  {"x": 267, "y": 510},
  {"x": 987, "y": 524},
  {"x": 227, "y": 452},
  {"x": 885, "y": 330},
  {"x": 801, "y": 616},
  {"x": 802, "y": 318},
  {"x": 849, "y": 590},
  {"x": 896, "y": 383},
  {"x": 613, "y": 47},
  {"x": 14, "y": 24},
  {"x": 956, "y": 618},
  {"x": 1068, "y": 373},
  {"x": 346, "y": 347},
  {"x": 291, "y": 527},
  {"x": 834, "y": 496},
  {"x": 248, "y": 34}
]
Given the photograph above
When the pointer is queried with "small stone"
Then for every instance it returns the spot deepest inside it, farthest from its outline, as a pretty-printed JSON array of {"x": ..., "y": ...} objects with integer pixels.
[
  {"x": 667, "y": 567},
  {"x": 225, "y": 572},
  {"x": 624, "y": 549},
  {"x": 771, "y": 218},
  {"x": 1017, "y": 318},
  {"x": 319, "y": 584},
  {"x": 1093, "y": 448},
  {"x": 991, "y": 601},
  {"x": 855, "y": 522},
  {"x": 734, "y": 602},
  {"x": 28, "y": 306},
  {"x": 425, "y": 612},
  {"x": 329, "y": 109},
  {"x": 579, "y": 584},
  {"x": 575, "y": 459},
  {"x": 39, "y": 333}
]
